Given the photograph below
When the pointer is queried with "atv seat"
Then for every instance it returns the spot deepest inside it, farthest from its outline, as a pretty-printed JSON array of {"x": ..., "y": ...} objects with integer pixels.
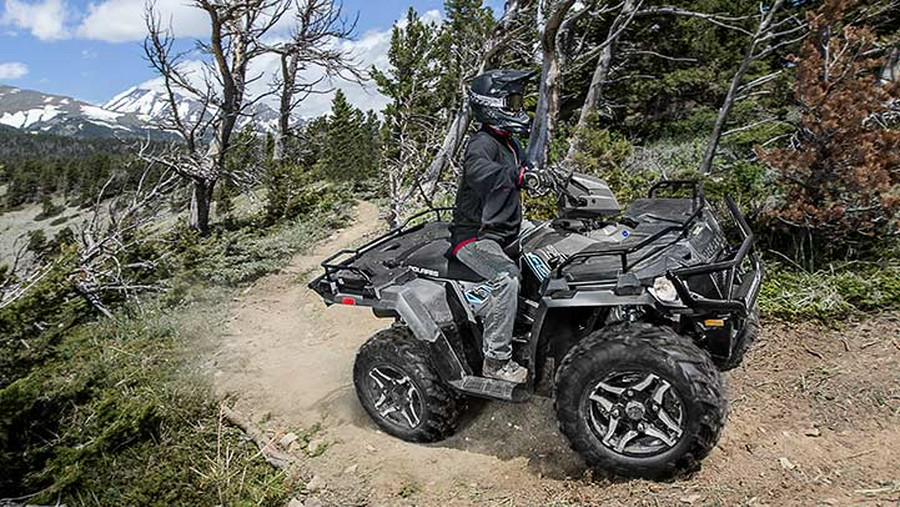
[{"x": 436, "y": 259}]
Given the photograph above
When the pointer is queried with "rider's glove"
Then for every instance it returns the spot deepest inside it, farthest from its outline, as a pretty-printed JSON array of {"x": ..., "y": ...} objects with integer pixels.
[{"x": 531, "y": 178}]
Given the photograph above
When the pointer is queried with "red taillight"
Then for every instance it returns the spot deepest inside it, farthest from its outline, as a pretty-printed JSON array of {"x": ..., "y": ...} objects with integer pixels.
[{"x": 348, "y": 301}]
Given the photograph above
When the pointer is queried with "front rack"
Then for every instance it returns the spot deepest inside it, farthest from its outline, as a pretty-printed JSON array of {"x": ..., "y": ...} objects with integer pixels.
[
  {"x": 699, "y": 204},
  {"x": 731, "y": 266}
]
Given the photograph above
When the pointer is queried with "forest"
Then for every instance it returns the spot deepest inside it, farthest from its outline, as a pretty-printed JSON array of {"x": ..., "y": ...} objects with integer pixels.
[{"x": 790, "y": 106}]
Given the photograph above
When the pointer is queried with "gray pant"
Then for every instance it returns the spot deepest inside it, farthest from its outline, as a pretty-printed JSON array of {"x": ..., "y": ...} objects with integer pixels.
[{"x": 486, "y": 258}]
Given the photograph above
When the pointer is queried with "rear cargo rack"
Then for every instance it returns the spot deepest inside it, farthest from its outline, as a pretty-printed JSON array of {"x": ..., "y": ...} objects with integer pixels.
[{"x": 343, "y": 259}]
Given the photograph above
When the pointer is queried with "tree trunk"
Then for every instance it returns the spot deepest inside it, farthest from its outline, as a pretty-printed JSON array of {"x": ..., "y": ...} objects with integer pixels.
[
  {"x": 449, "y": 148},
  {"x": 289, "y": 65},
  {"x": 548, "y": 94},
  {"x": 201, "y": 199},
  {"x": 728, "y": 104},
  {"x": 545, "y": 112},
  {"x": 604, "y": 64}
]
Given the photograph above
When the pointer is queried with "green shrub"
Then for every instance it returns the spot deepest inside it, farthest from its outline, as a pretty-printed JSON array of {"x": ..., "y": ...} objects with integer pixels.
[
  {"x": 116, "y": 417},
  {"x": 234, "y": 257},
  {"x": 841, "y": 290}
]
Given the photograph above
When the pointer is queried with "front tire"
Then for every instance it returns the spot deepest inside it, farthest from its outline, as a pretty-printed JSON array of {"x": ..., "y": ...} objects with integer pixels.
[
  {"x": 401, "y": 391},
  {"x": 638, "y": 400}
]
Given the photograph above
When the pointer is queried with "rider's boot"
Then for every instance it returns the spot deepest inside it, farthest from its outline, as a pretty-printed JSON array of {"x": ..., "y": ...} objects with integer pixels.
[{"x": 507, "y": 370}]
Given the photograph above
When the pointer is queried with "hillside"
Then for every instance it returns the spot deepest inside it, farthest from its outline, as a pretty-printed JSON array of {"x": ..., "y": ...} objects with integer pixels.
[{"x": 813, "y": 415}]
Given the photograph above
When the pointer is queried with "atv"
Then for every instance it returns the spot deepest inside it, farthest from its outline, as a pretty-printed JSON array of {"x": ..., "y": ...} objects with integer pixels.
[{"x": 626, "y": 323}]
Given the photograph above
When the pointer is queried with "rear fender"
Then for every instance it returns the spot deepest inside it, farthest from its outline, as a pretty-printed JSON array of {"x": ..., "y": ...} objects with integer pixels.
[{"x": 421, "y": 304}]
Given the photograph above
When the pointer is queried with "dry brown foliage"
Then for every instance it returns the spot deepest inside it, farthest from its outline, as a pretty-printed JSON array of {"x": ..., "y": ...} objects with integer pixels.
[{"x": 841, "y": 176}]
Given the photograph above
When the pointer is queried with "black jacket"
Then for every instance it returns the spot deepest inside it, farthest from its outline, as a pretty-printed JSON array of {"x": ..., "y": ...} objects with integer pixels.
[{"x": 488, "y": 204}]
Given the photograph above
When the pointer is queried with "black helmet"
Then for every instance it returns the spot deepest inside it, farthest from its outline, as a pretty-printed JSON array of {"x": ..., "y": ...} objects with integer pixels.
[{"x": 496, "y": 99}]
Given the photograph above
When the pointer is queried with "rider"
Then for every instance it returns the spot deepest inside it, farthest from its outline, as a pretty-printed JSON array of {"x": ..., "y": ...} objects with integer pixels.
[{"x": 488, "y": 211}]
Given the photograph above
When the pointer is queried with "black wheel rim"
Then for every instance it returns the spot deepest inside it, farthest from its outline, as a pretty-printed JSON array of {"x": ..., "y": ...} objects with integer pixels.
[
  {"x": 394, "y": 396},
  {"x": 637, "y": 414}
]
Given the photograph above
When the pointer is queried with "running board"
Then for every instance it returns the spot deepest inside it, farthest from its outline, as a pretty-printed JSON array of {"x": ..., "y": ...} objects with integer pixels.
[{"x": 486, "y": 387}]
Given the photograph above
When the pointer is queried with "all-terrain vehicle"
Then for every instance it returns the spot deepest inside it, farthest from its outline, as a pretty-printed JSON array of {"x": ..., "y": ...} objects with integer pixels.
[{"x": 627, "y": 323}]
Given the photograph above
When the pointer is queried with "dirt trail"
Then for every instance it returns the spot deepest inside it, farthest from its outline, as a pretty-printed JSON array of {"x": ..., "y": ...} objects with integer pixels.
[{"x": 815, "y": 415}]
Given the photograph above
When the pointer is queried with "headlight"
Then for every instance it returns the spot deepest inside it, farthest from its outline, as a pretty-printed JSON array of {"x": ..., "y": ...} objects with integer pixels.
[{"x": 664, "y": 290}]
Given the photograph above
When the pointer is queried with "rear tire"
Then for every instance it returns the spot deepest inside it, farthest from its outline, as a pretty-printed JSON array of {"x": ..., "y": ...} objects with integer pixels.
[
  {"x": 400, "y": 389},
  {"x": 661, "y": 395},
  {"x": 742, "y": 343}
]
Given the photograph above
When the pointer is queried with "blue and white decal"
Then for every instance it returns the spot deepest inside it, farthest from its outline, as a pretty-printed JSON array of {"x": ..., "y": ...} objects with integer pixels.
[
  {"x": 478, "y": 295},
  {"x": 538, "y": 265}
]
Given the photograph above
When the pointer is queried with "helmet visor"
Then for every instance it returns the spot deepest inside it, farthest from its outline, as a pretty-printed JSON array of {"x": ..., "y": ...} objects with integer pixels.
[{"x": 514, "y": 103}]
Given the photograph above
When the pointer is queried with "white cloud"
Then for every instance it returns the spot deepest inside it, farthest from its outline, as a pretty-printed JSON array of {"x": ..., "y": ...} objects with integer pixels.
[
  {"x": 13, "y": 70},
  {"x": 123, "y": 20},
  {"x": 370, "y": 49},
  {"x": 45, "y": 19}
]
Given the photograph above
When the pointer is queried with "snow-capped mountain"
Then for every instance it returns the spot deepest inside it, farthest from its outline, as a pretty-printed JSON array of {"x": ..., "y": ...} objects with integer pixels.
[
  {"x": 34, "y": 111},
  {"x": 136, "y": 112},
  {"x": 149, "y": 102}
]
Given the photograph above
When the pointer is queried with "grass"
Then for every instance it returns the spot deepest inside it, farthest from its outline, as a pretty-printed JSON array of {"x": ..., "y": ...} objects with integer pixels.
[
  {"x": 118, "y": 412},
  {"x": 842, "y": 290},
  {"x": 122, "y": 416}
]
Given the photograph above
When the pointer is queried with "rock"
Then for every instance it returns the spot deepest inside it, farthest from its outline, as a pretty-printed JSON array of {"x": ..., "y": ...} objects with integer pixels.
[
  {"x": 288, "y": 439},
  {"x": 315, "y": 446},
  {"x": 786, "y": 463},
  {"x": 350, "y": 470},
  {"x": 370, "y": 448},
  {"x": 831, "y": 501},
  {"x": 313, "y": 502},
  {"x": 295, "y": 502},
  {"x": 316, "y": 484},
  {"x": 690, "y": 499},
  {"x": 813, "y": 432}
]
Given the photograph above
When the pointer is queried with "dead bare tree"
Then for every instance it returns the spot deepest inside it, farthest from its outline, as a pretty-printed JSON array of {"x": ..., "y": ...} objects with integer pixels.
[
  {"x": 554, "y": 13},
  {"x": 606, "y": 51},
  {"x": 118, "y": 227},
  {"x": 771, "y": 34},
  {"x": 22, "y": 274},
  {"x": 236, "y": 31},
  {"x": 105, "y": 257},
  {"x": 318, "y": 28}
]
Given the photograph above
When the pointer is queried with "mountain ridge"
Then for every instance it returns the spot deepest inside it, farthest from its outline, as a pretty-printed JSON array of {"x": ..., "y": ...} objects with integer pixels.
[{"x": 136, "y": 112}]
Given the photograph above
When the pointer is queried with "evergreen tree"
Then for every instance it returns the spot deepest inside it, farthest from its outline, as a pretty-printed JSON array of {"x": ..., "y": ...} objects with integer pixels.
[
  {"x": 412, "y": 118},
  {"x": 460, "y": 43},
  {"x": 340, "y": 158}
]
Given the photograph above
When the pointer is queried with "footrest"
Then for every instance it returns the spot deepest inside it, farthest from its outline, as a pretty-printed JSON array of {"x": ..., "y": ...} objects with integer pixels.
[{"x": 486, "y": 387}]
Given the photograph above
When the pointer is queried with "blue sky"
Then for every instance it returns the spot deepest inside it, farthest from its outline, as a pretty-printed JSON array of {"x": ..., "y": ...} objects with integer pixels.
[{"x": 91, "y": 49}]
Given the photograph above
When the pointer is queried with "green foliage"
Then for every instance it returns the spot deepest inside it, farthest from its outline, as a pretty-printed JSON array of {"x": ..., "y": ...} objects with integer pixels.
[
  {"x": 468, "y": 24},
  {"x": 114, "y": 418},
  {"x": 350, "y": 149},
  {"x": 412, "y": 118},
  {"x": 48, "y": 209},
  {"x": 111, "y": 412},
  {"x": 842, "y": 290},
  {"x": 37, "y": 241},
  {"x": 32, "y": 325},
  {"x": 235, "y": 257}
]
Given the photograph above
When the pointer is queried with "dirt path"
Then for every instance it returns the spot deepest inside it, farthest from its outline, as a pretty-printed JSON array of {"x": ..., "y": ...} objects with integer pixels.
[{"x": 815, "y": 415}]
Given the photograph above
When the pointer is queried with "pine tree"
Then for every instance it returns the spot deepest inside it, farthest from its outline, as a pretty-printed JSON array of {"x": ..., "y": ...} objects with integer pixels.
[
  {"x": 459, "y": 44},
  {"x": 347, "y": 152},
  {"x": 412, "y": 118}
]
